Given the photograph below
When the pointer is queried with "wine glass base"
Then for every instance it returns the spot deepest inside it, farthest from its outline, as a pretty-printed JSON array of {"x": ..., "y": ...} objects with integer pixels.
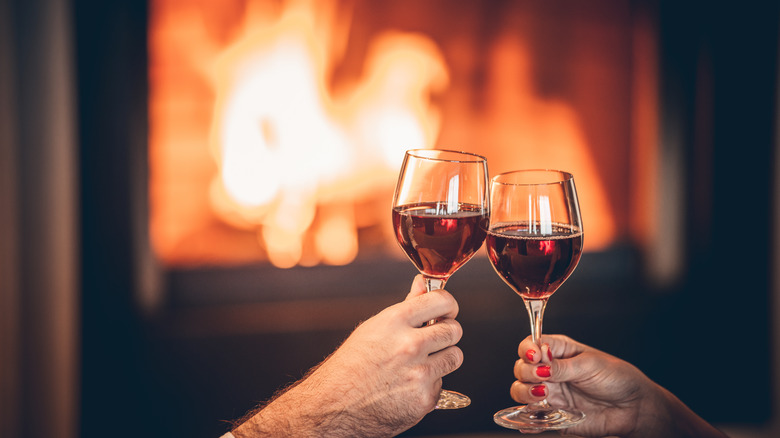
[
  {"x": 529, "y": 420},
  {"x": 452, "y": 400}
]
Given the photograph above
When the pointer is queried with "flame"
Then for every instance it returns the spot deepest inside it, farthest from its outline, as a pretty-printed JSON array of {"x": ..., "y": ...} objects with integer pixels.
[
  {"x": 286, "y": 144},
  {"x": 261, "y": 150}
]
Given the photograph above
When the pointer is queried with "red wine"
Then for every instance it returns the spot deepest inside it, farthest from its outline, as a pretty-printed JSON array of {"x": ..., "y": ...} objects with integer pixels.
[
  {"x": 534, "y": 265},
  {"x": 439, "y": 243}
]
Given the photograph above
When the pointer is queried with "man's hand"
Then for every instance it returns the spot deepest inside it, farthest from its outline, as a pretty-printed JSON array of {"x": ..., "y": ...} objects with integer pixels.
[{"x": 381, "y": 381}]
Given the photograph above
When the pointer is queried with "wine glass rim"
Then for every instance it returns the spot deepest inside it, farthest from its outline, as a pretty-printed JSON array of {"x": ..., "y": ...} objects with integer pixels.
[
  {"x": 562, "y": 178},
  {"x": 468, "y": 157}
]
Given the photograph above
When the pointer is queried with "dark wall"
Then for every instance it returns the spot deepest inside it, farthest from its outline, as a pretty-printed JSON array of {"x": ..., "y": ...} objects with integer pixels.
[
  {"x": 719, "y": 95},
  {"x": 112, "y": 92}
]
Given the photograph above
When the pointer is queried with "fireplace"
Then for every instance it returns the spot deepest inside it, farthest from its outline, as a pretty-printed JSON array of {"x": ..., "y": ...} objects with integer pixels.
[
  {"x": 276, "y": 131},
  {"x": 277, "y": 128},
  {"x": 181, "y": 269},
  {"x": 274, "y": 126}
]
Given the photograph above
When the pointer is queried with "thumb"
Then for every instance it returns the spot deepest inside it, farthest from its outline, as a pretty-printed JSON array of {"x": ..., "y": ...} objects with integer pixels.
[
  {"x": 576, "y": 368},
  {"x": 418, "y": 287}
]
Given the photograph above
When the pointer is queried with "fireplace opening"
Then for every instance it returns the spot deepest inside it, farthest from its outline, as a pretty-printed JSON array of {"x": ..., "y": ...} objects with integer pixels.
[{"x": 277, "y": 128}]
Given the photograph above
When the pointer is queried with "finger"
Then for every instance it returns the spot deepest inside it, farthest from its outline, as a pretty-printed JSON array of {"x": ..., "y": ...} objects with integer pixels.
[
  {"x": 528, "y": 351},
  {"x": 423, "y": 308},
  {"x": 445, "y": 361},
  {"x": 418, "y": 287},
  {"x": 553, "y": 346},
  {"x": 532, "y": 373},
  {"x": 547, "y": 355},
  {"x": 527, "y": 393},
  {"x": 577, "y": 367},
  {"x": 562, "y": 346},
  {"x": 438, "y": 336}
]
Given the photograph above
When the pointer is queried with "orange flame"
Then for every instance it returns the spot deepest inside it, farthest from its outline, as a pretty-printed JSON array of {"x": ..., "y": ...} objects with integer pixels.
[
  {"x": 301, "y": 160},
  {"x": 289, "y": 150},
  {"x": 286, "y": 145}
]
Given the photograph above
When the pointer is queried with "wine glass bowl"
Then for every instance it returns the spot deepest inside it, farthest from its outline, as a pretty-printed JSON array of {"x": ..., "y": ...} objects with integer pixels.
[
  {"x": 439, "y": 242},
  {"x": 534, "y": 242},
  {"x": 440, "y": 218}
]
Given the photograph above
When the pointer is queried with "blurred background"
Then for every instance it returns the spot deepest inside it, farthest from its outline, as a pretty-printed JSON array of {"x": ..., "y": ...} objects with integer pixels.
[{"x": 195, "y": 196}]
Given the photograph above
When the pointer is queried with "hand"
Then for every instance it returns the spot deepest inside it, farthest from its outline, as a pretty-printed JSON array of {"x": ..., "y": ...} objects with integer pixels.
[
  {"x": 617, "y": 398},
  {"x": 381, "y": 381}
]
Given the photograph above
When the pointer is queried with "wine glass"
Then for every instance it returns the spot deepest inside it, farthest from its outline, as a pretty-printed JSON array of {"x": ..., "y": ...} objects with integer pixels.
[
  {"x": 534, "y": 243},
  {"x": 440, "y": 218}
]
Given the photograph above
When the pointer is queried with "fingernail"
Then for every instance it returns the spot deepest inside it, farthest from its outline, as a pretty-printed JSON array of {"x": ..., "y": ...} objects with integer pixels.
[
  {"x": 549, "y": 353},
  {"x": 530, "y": 354},
  {"x": 538, "y": 391},
  {"x": 543, "y": 371}
]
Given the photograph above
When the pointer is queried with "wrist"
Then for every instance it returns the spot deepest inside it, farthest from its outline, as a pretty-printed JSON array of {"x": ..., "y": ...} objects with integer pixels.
[
  {"x": 268, "y": 421},
  {"x": 302, "y": 411},
  {"x": 663, "y": 414},
  {"x": 289, "y": 415}
]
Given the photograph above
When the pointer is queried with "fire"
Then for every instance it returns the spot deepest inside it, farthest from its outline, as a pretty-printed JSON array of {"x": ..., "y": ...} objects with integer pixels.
[
  {"x": 293, "y": 156},
  {"x": 286, "y": 145},
  {"x": 262, "y": 148}
]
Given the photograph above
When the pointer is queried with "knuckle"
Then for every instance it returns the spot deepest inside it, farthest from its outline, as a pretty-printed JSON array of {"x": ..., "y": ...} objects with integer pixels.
[
  {"x": 406, "y": 310},
  {"x": 458, "y": 356},
  {"x": 396, "y": 311},
  {"x": 560, "y": 369},
  {"x": 516, "y": 391},
  {"x": 450, "y": 331},
  {"x": 518, "y": 369},
  {"x": 452, "y": 303},
  {"x": 566, "y": 340},
  {"x": 444, "y": 299},
  {"x": 409, "y": 346},
  {"x": 418, "y": 376},
  {"x": 453, "y": 359},
  {"x": 458, "y": 330},
  {"x": 429, "y": 399}
]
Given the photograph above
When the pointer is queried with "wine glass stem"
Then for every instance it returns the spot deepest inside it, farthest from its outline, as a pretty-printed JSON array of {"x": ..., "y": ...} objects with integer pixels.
[
  {"x": 535, "y": 314},
  {"x": 432, "y": 284}
]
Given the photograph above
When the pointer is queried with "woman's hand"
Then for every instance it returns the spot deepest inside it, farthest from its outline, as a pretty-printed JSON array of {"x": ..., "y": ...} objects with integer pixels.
[{"x": 617, "y": 398}]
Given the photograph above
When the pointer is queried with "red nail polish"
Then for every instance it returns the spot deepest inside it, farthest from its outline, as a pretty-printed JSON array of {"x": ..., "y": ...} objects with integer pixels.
[
  {"x": 549, "y": 353},
  {"x": 530, "y": 354},
  {"x": 543, "y": 371},
  {"x": 538, "y": 391}
]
